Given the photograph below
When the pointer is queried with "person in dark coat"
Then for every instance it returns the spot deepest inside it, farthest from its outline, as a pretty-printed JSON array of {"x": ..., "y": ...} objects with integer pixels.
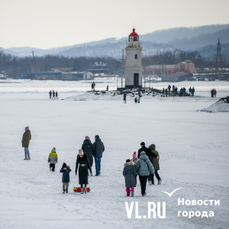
[
  {"x": 65, "y": 177},
  {"x": 129, "y": 172},
  {"x": 146, "y": 150},
  {"x": 169, "y": 88},
  {"x": 88, "y": 149},
  {"x": 82, "y": 163},
  {"x": 155, "y": 162},
  {"x": 124, "y": 97},
  {"x": 25, "y": 142},
  {"x": 98, "y": 149},
  {"x": 50, "y": 94}
]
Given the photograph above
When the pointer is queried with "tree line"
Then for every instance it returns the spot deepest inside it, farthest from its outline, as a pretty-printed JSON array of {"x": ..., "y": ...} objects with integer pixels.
[{"x": 15, "y": 66}]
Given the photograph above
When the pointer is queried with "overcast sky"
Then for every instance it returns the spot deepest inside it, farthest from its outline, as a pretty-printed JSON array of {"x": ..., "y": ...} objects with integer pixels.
[{"x": 55, "y": 23}]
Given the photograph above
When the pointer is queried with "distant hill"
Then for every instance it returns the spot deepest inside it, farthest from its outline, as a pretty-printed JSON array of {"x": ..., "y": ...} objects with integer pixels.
[
  {"x": 202, "y": 38},
  {"x": 169, "y": 35},
  {"x": 210, "y": 50}
]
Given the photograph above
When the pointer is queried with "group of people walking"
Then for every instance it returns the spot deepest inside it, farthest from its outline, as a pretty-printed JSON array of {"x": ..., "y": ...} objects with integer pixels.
[
  {"x": 84, "y": 163},
  {"x": 53, "y": 94},
  {"x": 145, "y": 165}
]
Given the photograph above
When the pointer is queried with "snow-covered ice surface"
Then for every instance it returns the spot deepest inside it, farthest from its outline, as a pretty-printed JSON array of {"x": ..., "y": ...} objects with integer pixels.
[{"x": 193, "y": 149}]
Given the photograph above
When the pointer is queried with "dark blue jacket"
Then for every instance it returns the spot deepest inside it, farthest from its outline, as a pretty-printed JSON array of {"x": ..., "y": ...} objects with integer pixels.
[
  {"x": 65, "y": 177},
  {"x": 98, "y": 148}
]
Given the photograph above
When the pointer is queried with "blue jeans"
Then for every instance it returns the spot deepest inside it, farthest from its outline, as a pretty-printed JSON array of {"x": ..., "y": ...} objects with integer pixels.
[
  {"x": 26, "y": 149},
  {"x": 97, "y": 165}
]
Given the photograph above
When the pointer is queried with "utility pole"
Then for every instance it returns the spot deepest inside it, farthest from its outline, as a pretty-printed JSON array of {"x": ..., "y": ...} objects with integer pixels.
[{"x": 218, "y": 59}]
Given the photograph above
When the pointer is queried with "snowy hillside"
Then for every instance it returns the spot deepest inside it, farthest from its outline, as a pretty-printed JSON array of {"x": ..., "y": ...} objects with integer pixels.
[{"x": 220, "y": 106}]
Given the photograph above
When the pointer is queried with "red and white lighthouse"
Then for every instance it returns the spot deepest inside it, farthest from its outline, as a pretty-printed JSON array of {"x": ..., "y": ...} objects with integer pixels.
[{"x": 133, "y": 67}]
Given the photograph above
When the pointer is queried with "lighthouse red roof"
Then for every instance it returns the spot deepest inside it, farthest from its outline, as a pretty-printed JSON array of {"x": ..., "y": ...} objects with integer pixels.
[{"x": 133, "y": 34}]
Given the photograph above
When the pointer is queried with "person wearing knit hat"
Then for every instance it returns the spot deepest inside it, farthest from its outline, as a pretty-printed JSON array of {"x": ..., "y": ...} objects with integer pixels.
[
  {"x": 134, "y": 159},
  {"x": 65, "y": 177},
  {"x": 25, "y": 142},
  {"x": 83, "y": 165}
]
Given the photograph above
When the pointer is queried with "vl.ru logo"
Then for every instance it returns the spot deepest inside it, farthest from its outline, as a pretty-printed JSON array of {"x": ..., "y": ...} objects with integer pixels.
[{"x": 154, "y": 210}]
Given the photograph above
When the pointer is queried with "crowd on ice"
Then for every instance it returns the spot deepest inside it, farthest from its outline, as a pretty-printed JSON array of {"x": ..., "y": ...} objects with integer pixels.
[
  {"x": 53, "y": 94},
  {"x": 144, "y": 165}
]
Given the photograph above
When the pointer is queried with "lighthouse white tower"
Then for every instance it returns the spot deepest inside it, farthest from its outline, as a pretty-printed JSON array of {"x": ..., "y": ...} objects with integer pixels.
[{"x": 133, "y": 67}]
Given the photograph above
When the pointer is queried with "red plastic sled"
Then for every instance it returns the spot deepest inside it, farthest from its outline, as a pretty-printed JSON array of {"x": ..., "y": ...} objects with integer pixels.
[{"x": 78, "y": 189}]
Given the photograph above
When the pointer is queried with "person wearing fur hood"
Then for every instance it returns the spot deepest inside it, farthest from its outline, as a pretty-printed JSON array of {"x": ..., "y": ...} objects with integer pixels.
[
  {"x": 143, "y": 168},
  {"x": 155, "y": 162},
  {"x": 129, "y": 172}
]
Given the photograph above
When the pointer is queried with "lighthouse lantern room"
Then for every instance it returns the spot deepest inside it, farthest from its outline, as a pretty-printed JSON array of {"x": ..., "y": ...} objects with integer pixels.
[{"x": 133, "y": 67}]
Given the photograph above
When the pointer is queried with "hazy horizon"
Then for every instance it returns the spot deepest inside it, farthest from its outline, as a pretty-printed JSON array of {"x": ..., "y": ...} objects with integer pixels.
[{"x": 57, "y": 23}]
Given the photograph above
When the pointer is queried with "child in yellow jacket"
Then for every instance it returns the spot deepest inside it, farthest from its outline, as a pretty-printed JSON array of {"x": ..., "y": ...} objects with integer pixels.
[{"x": 53, "y": 159}]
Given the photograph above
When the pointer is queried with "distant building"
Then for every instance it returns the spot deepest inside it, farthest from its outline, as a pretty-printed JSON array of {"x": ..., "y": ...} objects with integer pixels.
[
  {"x": 176, "y": 77},
  {"x": 59, "y": 74},
  {"x": 43, "y": 75},
  {"x": 77, "y": 75},
  {"x": 99, "y": 67},
  {"x": 165, "y": 69},
  {"x": 133, "y": 67}
]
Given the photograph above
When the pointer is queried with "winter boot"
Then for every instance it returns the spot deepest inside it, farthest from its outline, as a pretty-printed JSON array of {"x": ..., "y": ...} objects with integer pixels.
[
  {"x": 85, "y": 190},
  {"x": 131, "y": 193},
  {"x": 159, "y": 182},
  {"x": 66, "y": 190},
  {"x": 63, "y": 191},
  {"x": 82, "y": 190}
]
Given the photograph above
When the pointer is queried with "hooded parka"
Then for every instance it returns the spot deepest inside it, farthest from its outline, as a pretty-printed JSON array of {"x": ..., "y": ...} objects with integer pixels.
[
  {"x": 154, "y": 160},
  {"x": 143, "y": 166},
  {"x": 129, "y": 172},
  {"x": 53, "y": 158}
]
